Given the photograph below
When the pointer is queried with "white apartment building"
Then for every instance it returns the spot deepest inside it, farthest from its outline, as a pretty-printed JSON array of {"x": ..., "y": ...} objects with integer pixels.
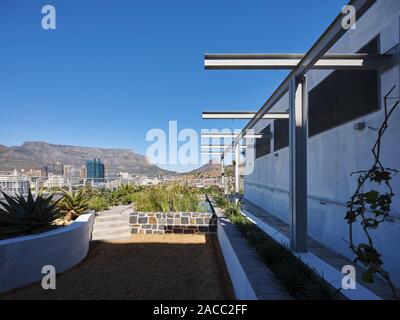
[
  {"x": 54, "y": 181},
  {"x": 14, "y": 183},
  {"x": 343, "y": 106}
]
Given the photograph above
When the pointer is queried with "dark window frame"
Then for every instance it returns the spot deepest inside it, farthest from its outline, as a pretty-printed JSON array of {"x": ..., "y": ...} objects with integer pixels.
[
  {"x": 263, "y": 145},
  {"x": 372, "y": 47},
  {"x": 281, "y": 134}
]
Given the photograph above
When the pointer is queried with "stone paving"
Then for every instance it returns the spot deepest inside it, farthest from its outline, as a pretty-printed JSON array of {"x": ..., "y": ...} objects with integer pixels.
[{"x": 180, "y": 222}]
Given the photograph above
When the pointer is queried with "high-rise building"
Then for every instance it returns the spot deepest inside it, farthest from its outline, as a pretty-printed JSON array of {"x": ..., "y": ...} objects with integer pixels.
[
  {"x": 68, "y": 169},
  {"x": 94, "y": 169},
  {"x": 56, "y": 168},
  {"x": 82, "y": 172},
  {"x": 71, "y": 172},
  {"x": 54, "y": 181}
]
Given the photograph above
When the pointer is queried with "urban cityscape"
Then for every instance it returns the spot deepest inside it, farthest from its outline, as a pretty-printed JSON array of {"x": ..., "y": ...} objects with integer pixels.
[{"x": 94, "y": 174}]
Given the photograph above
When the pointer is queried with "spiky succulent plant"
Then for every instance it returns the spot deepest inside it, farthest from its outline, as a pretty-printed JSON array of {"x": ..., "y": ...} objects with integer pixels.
[
  {"x": 74, "y": 203},
  {"x": 22, "y": 216}
]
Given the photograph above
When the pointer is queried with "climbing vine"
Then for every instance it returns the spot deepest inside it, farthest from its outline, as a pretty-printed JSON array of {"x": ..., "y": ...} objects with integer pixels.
[{"x": 372, "y": 207}]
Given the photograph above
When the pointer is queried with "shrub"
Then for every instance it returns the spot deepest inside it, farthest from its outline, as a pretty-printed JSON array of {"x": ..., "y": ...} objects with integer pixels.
[
  {"x": 74, "y": 203},
  {"x": 22, "y": 216},
  {"x": 167, "y": 198},
  {"x": 98, "y": 203},
  {"x": 124, "y": 194},
  {"x": 299, "y": 279}
]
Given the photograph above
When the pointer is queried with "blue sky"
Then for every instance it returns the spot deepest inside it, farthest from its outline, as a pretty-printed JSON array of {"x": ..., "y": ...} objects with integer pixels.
[{"x": 112, "y": 70}]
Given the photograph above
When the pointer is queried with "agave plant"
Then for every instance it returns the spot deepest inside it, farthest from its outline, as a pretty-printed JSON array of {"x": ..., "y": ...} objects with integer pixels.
[
  {"x": 20, "y": 216},
  {"x": 73, "y": 204}
]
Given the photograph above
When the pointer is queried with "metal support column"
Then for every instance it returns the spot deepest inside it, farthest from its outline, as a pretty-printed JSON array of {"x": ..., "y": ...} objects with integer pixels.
[
  {"x": 237, "y": 176},
  {"x": 222, "y": 173},
  {"x": 298, "y": 135}
]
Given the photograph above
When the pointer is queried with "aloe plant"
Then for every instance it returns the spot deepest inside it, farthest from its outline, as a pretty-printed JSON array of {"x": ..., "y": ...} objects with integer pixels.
[
  {"x": 20, "y": 216},
  {"x": 73, "y": 204},
  {"x": 124, "y": 194}
]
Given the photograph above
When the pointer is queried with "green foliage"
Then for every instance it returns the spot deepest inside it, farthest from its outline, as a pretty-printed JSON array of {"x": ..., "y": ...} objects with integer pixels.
[
  {"x": 74, "y": 203},
  {"x": 300, "y": 281},
  {"x": 22, "y": 216},
  {"x": 98, "y": 203},
  {"x": 220, "y": 199},
  {"x": 124, "y": 194},
  {"x": 167, "y": 198}
]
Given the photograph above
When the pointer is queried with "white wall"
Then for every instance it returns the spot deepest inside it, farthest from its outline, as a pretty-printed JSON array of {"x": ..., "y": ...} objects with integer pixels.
[
  {"x": 22, "y": 258},
  {"x": 334, "y": 154}
]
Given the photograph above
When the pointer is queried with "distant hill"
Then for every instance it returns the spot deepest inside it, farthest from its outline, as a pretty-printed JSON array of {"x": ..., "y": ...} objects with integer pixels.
[
  {"x": 209, "y": 170},
  {"x": 36, "y": 155}
]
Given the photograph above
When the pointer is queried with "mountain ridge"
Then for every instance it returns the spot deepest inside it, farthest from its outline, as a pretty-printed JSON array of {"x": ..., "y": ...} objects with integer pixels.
[{"x": 38, "y": 154}]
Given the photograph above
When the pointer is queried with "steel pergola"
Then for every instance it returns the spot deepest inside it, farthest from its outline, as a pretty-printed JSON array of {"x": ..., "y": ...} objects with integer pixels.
[{"x": 296, "y": 85}]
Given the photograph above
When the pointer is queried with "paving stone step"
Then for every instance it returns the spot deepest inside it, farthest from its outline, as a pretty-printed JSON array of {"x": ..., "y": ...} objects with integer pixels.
[
  {"x": 110, "y": 237},
  {"x": 111, "y": 218},
  {"x": 110, "y": 225},
  {"x": 116, "y": 231}
]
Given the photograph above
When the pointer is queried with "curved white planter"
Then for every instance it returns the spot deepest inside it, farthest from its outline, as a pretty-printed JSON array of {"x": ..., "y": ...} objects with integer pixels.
[{"x": 22, "y": 258}]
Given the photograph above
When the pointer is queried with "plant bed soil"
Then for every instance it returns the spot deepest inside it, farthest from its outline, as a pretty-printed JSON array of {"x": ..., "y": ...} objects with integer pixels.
[{"x": 159, "y": 266}]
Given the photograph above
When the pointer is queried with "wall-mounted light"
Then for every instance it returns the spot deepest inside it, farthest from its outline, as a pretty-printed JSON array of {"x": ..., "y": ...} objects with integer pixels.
[{"x": 359, "y": 126}]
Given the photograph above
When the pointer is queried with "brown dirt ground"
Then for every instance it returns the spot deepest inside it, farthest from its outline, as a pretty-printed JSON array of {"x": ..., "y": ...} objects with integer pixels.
[{"x": 144, "y": 267}]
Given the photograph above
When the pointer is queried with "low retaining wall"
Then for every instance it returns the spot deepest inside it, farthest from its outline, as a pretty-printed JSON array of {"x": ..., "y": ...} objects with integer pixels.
[
  {"x": 22, "y": 258},
  {"x": 183, "y": 222},
  {"x": 251, "y": 278}
]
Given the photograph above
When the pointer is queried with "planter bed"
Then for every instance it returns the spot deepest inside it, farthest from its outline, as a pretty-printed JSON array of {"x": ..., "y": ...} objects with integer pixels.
[
  {"x": 22, "y": 258},
  {"x": 248, "y": 250}
]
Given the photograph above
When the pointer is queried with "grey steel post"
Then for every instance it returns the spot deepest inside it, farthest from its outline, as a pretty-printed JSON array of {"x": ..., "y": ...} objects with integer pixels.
[
  {"x": 298, "y": 135},
  {"x": 237, "y": 176},
  {"x": 222, "y": 173}
]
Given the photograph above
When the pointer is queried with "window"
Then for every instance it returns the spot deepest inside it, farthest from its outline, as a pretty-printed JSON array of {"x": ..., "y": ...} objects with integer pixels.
[
  {"x": 344, "y": 96},
  {"x": 263, "y": 145},
  {"x": 281, "y": 134}
]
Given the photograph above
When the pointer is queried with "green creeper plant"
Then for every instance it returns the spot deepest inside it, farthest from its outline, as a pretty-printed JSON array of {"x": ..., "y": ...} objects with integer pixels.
[{"x": 372, "y": 207}]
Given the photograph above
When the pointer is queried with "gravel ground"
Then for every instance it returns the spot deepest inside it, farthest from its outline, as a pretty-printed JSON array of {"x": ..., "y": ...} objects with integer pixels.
[{"x": 144, "y": 267}]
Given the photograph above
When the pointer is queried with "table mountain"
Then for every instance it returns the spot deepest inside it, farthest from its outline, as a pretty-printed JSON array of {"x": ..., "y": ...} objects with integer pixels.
[{"x": 36, "y": 155}]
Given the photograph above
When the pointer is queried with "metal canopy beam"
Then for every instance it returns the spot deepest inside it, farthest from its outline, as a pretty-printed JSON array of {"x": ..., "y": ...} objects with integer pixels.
[
  {"x": 346, "y": 61},
  {"x": 243, "y": 115},
  {"x": 219, "y": 147},
  {"x": 220, "y": 153},
  {"x": 230, "y": 135}
]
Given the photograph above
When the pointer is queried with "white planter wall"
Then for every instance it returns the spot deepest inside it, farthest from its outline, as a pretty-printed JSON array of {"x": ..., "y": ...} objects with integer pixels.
[{"x": 22, "y": 258}]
